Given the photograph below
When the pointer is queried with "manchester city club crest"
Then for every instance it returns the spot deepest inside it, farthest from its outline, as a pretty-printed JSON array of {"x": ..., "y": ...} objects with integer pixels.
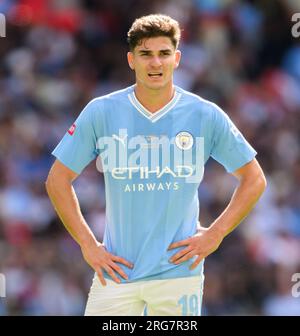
[{"x": 184, "y": 140}]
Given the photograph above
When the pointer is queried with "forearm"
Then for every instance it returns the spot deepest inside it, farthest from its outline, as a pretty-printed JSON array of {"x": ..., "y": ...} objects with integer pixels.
[
  {"x": 65, "y": 203},
  {"x": 242, "y": 202}
]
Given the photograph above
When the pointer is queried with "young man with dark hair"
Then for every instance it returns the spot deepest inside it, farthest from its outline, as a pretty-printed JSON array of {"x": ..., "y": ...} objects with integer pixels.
[{"x": 152, "y": 140}]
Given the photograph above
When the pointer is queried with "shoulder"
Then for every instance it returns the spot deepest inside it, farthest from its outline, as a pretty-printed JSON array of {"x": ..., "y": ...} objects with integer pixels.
[
  {"x": 102, "y": 103},
  {"x": 200, "y": 104},
  {"x": 112, "y": 97}
]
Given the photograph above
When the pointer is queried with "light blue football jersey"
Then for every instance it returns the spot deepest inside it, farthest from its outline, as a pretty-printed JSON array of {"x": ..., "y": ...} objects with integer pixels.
[{"x": 153, "y": 164}]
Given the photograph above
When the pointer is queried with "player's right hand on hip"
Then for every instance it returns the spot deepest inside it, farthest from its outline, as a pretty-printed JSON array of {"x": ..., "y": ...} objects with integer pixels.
[{"x": 101, "y": 260}]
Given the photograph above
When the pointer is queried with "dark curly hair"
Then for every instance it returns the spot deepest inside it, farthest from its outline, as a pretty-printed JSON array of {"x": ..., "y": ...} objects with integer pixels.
[{"x": 153, "y": 25}]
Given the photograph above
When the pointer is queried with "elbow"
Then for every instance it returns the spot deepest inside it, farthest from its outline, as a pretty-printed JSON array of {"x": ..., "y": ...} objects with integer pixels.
[
  {"x": 261, "y": 183},
  {"x": 49, "y": 183},
  {"x": 56, "y": 181},
  {"x": 52, "y": 182}
]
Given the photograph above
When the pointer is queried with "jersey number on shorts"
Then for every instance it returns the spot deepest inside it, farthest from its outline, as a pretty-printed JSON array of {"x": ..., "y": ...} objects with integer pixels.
[{"x": 190, "y": 305}]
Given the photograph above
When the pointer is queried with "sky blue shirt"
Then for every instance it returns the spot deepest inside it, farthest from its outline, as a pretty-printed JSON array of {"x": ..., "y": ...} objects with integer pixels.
[{"x": 152, "y": 202}]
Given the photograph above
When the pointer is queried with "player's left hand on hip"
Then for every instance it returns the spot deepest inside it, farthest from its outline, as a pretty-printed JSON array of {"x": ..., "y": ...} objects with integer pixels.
[{"x": 203, "y": 243}]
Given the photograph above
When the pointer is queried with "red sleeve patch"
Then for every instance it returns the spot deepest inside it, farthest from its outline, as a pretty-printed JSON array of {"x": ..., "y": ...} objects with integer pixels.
[{"x": 72, "y": 129}]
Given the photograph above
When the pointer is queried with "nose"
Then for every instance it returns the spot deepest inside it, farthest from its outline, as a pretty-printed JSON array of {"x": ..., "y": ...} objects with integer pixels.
[{"x": 155, "y": 61}]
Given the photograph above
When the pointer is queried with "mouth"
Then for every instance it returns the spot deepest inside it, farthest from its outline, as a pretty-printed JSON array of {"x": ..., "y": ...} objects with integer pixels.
[{"x": 155, "y": 74}]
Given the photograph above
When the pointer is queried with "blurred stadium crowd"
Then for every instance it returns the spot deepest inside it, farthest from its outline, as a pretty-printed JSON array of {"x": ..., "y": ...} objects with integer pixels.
[{"x": 58, "y": 55}]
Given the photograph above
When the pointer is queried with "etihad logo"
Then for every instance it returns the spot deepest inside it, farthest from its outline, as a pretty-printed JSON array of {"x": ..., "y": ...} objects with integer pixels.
[
  {"x": 142, "y": 174},
  {"x": 145, "y": 172},
  {"x": 148, "y": 187},
  {"x": 180, "y": 156}
]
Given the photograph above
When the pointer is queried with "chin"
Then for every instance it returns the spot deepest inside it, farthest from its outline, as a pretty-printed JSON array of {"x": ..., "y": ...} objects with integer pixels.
[{"x": 156, "y": 86}]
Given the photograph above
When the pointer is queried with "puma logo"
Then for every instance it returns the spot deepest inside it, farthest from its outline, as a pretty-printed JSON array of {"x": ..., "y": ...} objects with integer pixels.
[{"x": 122, "y": 140}]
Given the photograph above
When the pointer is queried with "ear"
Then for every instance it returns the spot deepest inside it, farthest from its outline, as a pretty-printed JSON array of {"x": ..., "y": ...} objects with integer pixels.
[
  {"x": 130, "y": 60},
  {"x": 177, "y": 58}
]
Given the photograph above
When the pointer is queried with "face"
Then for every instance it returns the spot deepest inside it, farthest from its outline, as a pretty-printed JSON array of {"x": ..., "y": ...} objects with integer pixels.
[{"x": 154, "y": 61}]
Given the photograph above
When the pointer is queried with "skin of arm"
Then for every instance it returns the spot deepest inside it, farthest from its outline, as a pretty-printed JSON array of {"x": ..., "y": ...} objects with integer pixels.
[
  {"x": 252, "y": 184},
  {"x": 65, "y": 202}
]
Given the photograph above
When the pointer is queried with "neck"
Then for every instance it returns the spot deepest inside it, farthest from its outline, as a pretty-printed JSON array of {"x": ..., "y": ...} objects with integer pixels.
[{"x": 154, "y": 100}]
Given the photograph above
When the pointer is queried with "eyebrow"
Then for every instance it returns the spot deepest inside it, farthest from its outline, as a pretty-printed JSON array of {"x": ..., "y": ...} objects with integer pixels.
[{"x": 146, "y": 51}]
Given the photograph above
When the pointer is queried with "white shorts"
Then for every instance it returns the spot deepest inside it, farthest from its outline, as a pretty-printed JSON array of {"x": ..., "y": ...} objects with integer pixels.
[{"x": 169, "y": 297}]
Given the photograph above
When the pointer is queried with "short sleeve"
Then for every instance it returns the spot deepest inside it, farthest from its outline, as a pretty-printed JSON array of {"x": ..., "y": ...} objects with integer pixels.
[
  {"x": 229, "y": 147},
  {"x": 78, "y": 146}
]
